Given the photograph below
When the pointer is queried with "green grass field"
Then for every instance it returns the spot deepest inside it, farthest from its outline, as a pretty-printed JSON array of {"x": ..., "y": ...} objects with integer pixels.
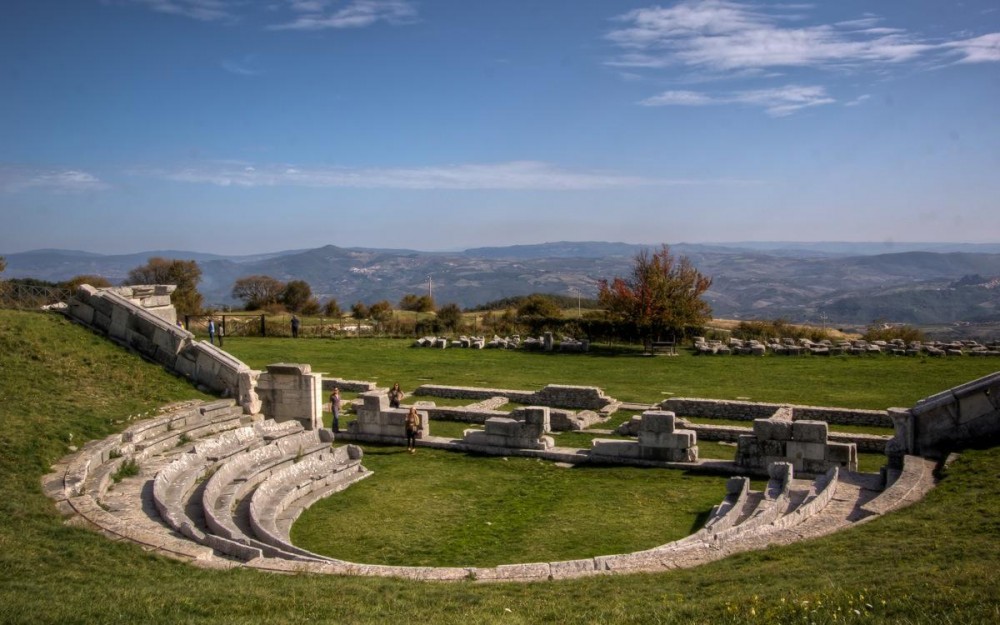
[
  {"x": 935, "y": 562},
  {"x": 875, "y": 382}
]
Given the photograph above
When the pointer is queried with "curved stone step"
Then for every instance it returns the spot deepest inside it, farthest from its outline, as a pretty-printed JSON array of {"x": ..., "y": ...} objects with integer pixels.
[
  {"x": 913, "y": 482},
  {"x": 237, "y": 478},
  {"x": 318, "y": 472}
]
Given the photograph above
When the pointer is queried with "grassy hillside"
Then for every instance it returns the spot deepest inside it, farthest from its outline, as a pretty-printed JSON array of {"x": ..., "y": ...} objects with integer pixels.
[{"x": 936, "y": 562}]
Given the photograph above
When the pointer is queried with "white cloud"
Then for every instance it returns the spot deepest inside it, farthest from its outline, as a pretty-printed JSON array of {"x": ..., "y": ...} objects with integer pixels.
[
  {"x": 14, "y": 179},
  {"x": 515, "y": 175},
  {"x": 204, "y": 10},
  {"x": 858, "y": 100},
  {"x": 778, "y": 102},
  {"x": 318, "y": 15},
  {"x": 724, "y": 36},
  {"x": 243, "y": 67},
  {"x": 984, "y": 49}
]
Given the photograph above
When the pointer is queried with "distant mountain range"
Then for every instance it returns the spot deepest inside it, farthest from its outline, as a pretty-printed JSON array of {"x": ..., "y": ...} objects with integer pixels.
[{"x": 835, "y": 283}]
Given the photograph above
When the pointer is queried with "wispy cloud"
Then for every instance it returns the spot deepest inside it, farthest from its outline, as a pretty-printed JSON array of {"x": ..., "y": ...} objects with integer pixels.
[
  {"x": 242, "y": 67},
  {"x": 778, "y": 102},
  {"x": 858, "y": 100},
  {"x": 984, "y": 49},
  {"x": 320, "y": 15},
  {"x": 516, "y": 175},
  {"x": 14, "y": 179},
  {"x": 726, "y": 39},
  {"x": 725, "y": 36},
  {"x": 204, "y": 10}
]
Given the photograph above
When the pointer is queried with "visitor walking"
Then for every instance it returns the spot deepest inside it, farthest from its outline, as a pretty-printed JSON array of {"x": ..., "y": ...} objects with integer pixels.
[
  {"x": 211, "y": 331},
  {"x": 395, "y": 395},
  {"x": 295, "y": 327},
  {"x": 335, "y": 409},
  {"x": 412, "y": 427},
  {"x": 221, "y": 332}
]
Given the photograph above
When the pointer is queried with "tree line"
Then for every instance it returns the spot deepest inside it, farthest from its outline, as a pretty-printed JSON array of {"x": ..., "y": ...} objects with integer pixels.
[{"x": 661, "y": 298}]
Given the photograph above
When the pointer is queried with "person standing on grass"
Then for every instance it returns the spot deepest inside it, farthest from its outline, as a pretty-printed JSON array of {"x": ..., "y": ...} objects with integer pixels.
[
  {"x": 412, "y": 427},
  {"x": 335, "y": 409},
  {"x": 221, "y": 333},
  {"x": 211, "y": 331},
  {"x": 295, "y": 327},
  {"x": 395, "y": 395}
]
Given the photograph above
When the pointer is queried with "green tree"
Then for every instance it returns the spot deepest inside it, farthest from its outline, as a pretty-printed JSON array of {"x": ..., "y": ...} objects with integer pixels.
[
  {"x": 449, "y": 317},
  {"x": 98, "y": 282},
  {"x": 258, "y": 291},
  {"x": 332, "y": 309},
  {"x": 311, "y": 308},
  {"x": 296, "y": 294},
  {"x": 380, "y": 313},
  {"x": 185, "y": 274},
  {"x": 663, "y": 295},
  {"x": 359, "y": 311},
  {"x": 538, "y": 305},
  {"x": 417, "y": 303}
]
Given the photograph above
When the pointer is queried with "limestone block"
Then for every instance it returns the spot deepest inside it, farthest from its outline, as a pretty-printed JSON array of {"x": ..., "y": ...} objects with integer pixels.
[
  {"x": 736, "y": 485},
  {"x": 284, "y": 368},
  {"x": 81, "y": 311},
  {"x": 140, "y": 343},
  {"x": 772, "y": 448},
  {"x": 502, "y": 426},
  {"x": 666, "y": 454},
  {"x": 538, "y": 416},
  {"x": 796, "y": 450},
  {"x": 154, "y": 301},
  {"x": 612, "y": 448},
  {"x": 102, "y": 304},
  {"x": 119, "y": 322},
  {"x": 780, "y": 471},
  {"x": 843, "y": 454},
  {"x": 810, "y": 431},
  {"x": 772, "y": 429},
  {"x": 658, "y": 421},
  {"x": 185, "y": 363},
  {"x": 247, "y": 390},
  {"x": 682, "y": 439}
]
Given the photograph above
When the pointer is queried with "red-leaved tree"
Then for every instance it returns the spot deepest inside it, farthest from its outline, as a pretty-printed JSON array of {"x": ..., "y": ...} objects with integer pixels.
[{"x": 662, "y": 296}]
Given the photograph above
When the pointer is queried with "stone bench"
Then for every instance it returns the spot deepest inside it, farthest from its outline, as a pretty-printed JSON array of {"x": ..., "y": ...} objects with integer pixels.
[
  {"x": 915, "y": 470},
  {"x": 241, "y": 474},
  {"x": 277, "y": 493}
]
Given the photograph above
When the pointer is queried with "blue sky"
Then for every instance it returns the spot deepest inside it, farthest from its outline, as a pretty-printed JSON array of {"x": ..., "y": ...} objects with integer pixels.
[{"x": 242, "y": 126}]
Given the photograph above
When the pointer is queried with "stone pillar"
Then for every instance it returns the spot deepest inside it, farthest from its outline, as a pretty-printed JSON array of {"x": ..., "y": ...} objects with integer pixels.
[{"x": 291, "y": 392}]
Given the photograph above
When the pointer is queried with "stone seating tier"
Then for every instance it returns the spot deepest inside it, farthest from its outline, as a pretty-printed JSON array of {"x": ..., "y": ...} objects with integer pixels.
[{"x": 276, "y": 480}]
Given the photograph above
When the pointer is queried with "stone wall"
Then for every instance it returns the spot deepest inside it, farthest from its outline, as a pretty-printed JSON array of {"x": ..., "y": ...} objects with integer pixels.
[
  {"x": 802, "y": 443},
  {"x": 350, "y": 386},
  {"x": 964, "y": 415},
  {"x": 291, "y": 392},
  {"x": 866, "y": 443},
  {"x": 659, "y": 439},
  {"x": 119, "y": 314},
  {"x": 378, "y": 422},
  {"x": 553, "y": 395},
  {"x": 748, "y": 411},
  {"x": 504, "y": 432}
]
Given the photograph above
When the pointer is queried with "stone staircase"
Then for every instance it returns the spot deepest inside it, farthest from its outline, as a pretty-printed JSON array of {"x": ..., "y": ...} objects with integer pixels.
[{"x": 222, "y": 489}]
